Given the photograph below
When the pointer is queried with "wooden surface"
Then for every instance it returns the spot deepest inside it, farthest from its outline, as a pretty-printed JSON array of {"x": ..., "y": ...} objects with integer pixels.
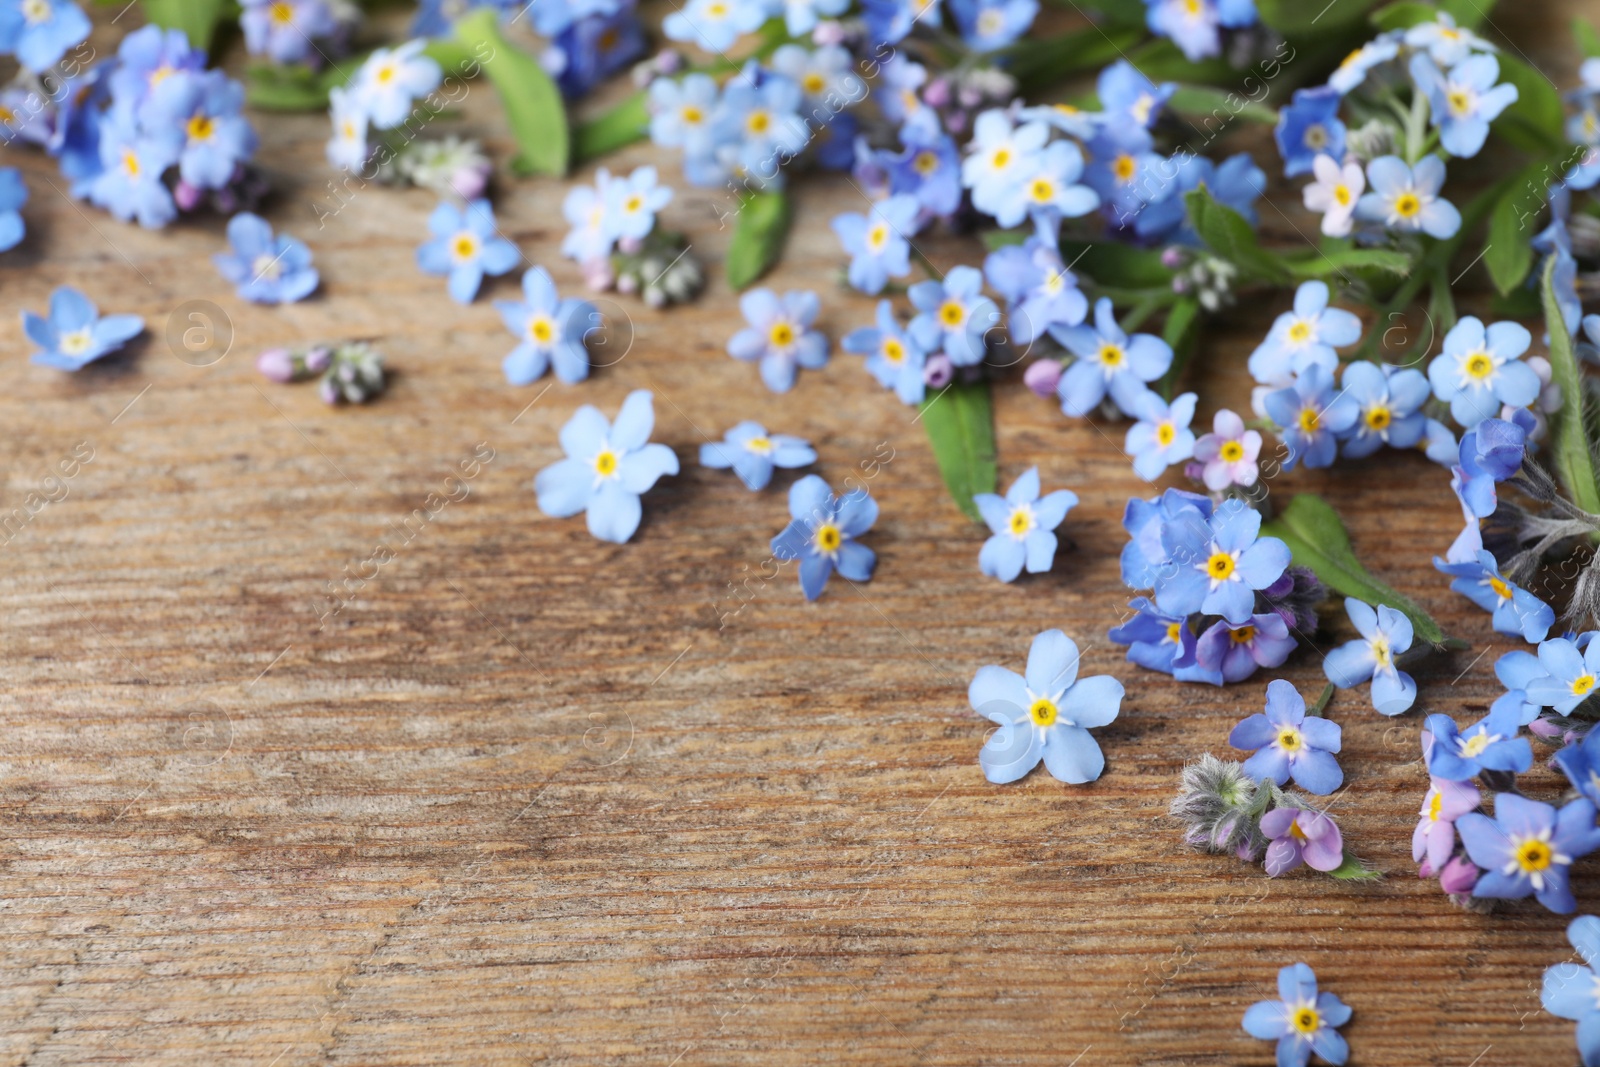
[{"x": 532, "y": 798}]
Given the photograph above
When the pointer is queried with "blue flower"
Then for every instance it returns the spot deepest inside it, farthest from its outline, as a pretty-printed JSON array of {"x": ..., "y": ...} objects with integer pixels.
[
  {"x": 1407, "y": 200},
  {"x": 1517, "y": 612},
  {"x": 1162, "y": 436},
  {"x": 1385, "y": 635},
  {"x": 1021, "y": 523},
  {"x": 1490, "y": 744},
  {"x": 888, "y": 21},
  {"x": 149, "y": 56},
  {"x": 1288, "y": 744},
  {"x": 895, "y": 355},
  {"x": 822, "y": 535},
  {"x": 929, "y": 168},
  {"x": 1304, "y": 337},
  {"x": 13, "y": 194},
  {"x": 681, "y": 111},
  {"x": 466, "y": 245},
  {"x": 1519, "y": 669},
  {"x": 607, "y": 467},
  {"x": 1216, "y": 565},
  {"x": 550, "y": 330},
  {"x": 753, "y": 453},
  {"x": 1573, "y": 992},
  {"x": 877, "y": 241},
  {"x": 39, "y": 32},
  {"x": 1159, "y": 642},
  {"x": 990, "y": 24},
  {"x": 632, "y": 203},
  {"x": 1040, "y": 292},
  {"x": 780, "y": 336},
  {"x": 955, "y": 314},
  {"x": 1109, "y": 361},
  {"x": 129, "y": 183},
  {"x": 1310, "y": 127},
  {"x": 75, "y": 335},
  {"x": 1231, "y": 652},
  {"x": 1145, "y": 557},
  {"x": 201, "y": 112},
  {"x": 1385, "y": 405},
  {"x": 282, "y": 30},
  {"x": 1355, "y": 67},
  {"x": 1464, "y": 101},
  {"x": 713, "y": 25},
  {"x": 1303, "y": 1021},
  {"x": 1481, "y": 369},
  {"x": 1570, "y": 676},
  {"x": 1580, "y": 762},
  {"x": 1044, "y": 714},
  {"x": 1192, "y": 25},
  {"x": 1528, "y": 848},
  {"x": 264, "y": 267},
  {"x": 997, "y": 159},
  {"x": 391, "y": 79},
  {"x": 1308, "y": 420},
  {"x": 592, "y": 48},
  {"x": 1125, "y": 91},
  {"x": 800, "y": 17},
  {"x": 1489, "y": 453},
  {"x": 1122, "y": 168},
  {"x": 1048, "y": 188}
]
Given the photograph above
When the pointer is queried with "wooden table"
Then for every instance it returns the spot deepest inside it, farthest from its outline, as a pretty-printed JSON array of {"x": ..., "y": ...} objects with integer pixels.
[{"x": 529, "y": 797}]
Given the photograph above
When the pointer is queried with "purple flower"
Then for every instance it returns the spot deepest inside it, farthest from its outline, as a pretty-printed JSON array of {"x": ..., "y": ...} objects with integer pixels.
[
  {"x": 1159, "y": 642},
  {"x": 1230, "y": 653},
  {"x": 1300, "y": 835},
  {"x": 1302, "y": 1022},
  {"x": 1528, "y": 847},
  {"x": 1289, "y": 744},
  {"x": 1435, "y": 835},
  {"x": 1228, "y": 453}
]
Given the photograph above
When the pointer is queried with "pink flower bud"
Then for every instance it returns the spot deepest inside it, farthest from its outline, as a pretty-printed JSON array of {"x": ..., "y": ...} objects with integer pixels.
[
  {"x": 1042, "y": 376},
  {"x": 829, "y": 32},
  {"x": 277, "y": 364},
  {"x": 318, "y": 358},
  {"x": 328, "y": 391},
  {"x": 938, "y": 371},
  {"x": 1172, "y": 257},
  {"x": 468, "y": 182},
  {"x": 956, "y": 122},
  {"x": 668, "y": 62},
  {"x": 937, "y": 93},
  {"x": 630, "y": 246},
  {"x": 597, "y": 274},
  {"x": 1425, "y": 870},
  {"x": 1458, "y": 877},
  {"x": 1543, "y": 727},
  {"x": 187, "y": 196}
]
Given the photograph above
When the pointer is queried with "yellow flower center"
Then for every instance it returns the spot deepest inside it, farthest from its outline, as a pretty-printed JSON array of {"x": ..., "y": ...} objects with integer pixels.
[
  {"x": 1231, "y": 451},
  {"x": 760, "y": 445},
  {"x": 952, "y": 314},
  {"x": 1175, "y": 632},
  {"x": 75, "y": 343},
  {"x": 541, "y": 330},
  {"x": 1165, "y": 433},
  {"x": 1381, "y": 656},
  {"x": 717, "y": 11},
  {"x": 925, "y": 163},
  {"x": 1289, "y": 739},
  {"x": 692, "y": 115},
  {"x": 1042, "y": 712},
  {"x": 1310, "y": 419},
  {"x": 1582, "y": 684},
  {"x": 1041, "y": 189},
  {"x": 813, "y": 83},
  {"x": 1406, "y": 205},
  {"x": 386, "y": 74},
  {"x": 633, "y": 203},
  {"x": 1351, "y": 59},
  {"x": 283, "y": 14},
  {"x": 1501, "y": 589},
  {"x": 878, "y": 236},
  {"x": 1534, "y": 855},
  {"x": 828, "y": 537},
  {"x": 1000, "y": 159},
  {"x": 201, "y": 128},
  {"x": 1111, "y": 355},
  {"x": 130, "y": 162},
  {"x": 1021, "y": 522},
  {"x": 1473, "y": 746},
  {"x": 1379, "y": 417},
  {"x": 1219, "y": 566},
  {"x": 781, "y": 335},
  {"x": 36, "y": 11},
  {"x": 1243, "y": 635},
  {"x": 1341, "y": 194},
  {"x": 1460, "y": 101},
  {"x": 1478, "y": 365},
  {"x": 1435, "y": 807},
  {"x": 1300, "y": 332},
  {"x": 1306, "y": 1020},
  {"x": 605, "y": 463},
  {"x": 758, "y": 122},
  {"x": 466, "y": 246},
  {"x": 1123, "y": 168},
  {"x": 893, "y": 350}
]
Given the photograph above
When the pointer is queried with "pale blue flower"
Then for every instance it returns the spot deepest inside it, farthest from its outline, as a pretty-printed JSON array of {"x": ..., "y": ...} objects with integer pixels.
[
  {"x": 551, "y": 331},
  {"x": 283, "y": 30},
  {"x": 466, "y": 245},
  {"x": 1573, "y": 992},
  {"x": 1040, "y": 291},
  {"x": 1385, "y": 407},
  {"x": 129, "y": 183},
  {"x": 1048, "y": 186},
  {"x": 1309, "y": 421},
  {"x": 1302, "y": 1021},
  {"x": 1022, "y": 524},
  {"x": 266, "y": 268},
  {"x": 632, "y": 203},
  {"x": 713, "y": 25},
  {"x": 1385, "y": 635},
  {"x": 1406, "y": 200},
  {"x": 1490, "y": 744},
  {"x": 877, "y": 241},
  {"x": 1162, "y": 436},
  {"x": 1044, "y": 714},
  {"x": 822, "y": 534},
  {"x": 990, "y": 24},
  {"x": 1446, "y": 42},
  {"x": 752, "y": 453},
  {"x": 681, "y": 111},
  {"x": 391, "y": 79},
  {"x": 75, "y": 335},
  {"x": 1109, "y": 362},
  {"x": 1355, "y": 67},
  {"x": 1570, "y": 676},
  {"x": 780, "y": 335},
  {"x": 1125, "y": 91},
  {"x": 1305, "y": 336},
  {"x": 998, "y": 158},
  {"x": 40, "y": 32},
  {"x": 954, "y": 313},
  {"x": 607, "y": 467},
  {"x": 1463, "y": 101},
  {"x": 1481, "y": 369},
  {"x": 895, "y": 355},
  {"x": 13, "y": 194},
  {"x": 1527, "y": 848},
  {"x": 1216, "y": 565},
  {"x": 1517, "y": 612},
  {"x": 1288, "y": 743}
]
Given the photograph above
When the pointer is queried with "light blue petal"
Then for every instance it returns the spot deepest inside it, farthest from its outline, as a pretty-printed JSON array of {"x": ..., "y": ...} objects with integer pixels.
[
  {"x": 1072, "y": 755},
  {"x": 1010, "y": 753},
  {"x": 1052, "y": 663},
  {"x": 1092, "y": 701},
  {"x": 614, "y": 513},
  {"x": 563, "y": 488}
]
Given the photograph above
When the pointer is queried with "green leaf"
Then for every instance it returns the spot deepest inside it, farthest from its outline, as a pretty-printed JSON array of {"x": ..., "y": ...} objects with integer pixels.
[
  {"x": 1204, "y": 102},
  {"x": 1181, "y": 331},
  {"x": 960, "y": 425},
  {"x": 1318, "y": 541},
  {"x": 1508, "y": 251},
  {"x": 1469, "y": 14},
  {"x": 1226, "y": 233},
  {"x": 622, "y": 125},
  {"x": 758, "y": 236},
  {"x": 1573, "y": 460},
  {"x": 1035, "y": 63},
  {"x": 1296, "y": 17},
  {"x": 1535, "y": 122},
  {"x": 198, "y": 19},
  {"x": 1587, "y": 39},
  {"x": 533, "y": 105},
  {"x": 1353, "y": 870},
  {"x": 274, "y": 87},
  {"x": 1335, "y": 260},
  {"x": 1403, "y": 14},
  {"x": 1113, "y": 263},
  {"x": 1441, "y": 303}
]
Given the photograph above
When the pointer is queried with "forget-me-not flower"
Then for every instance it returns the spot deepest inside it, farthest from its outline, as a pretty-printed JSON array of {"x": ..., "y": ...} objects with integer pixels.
[
  {"x": 779, "y": 334},
  {"x": 1049, "y": 187},
  {"x": 1309, "y": 126},
  {"x": 895, "y": 355},
  {"x": 990, "y": 24},
  {"x": 1161, "y": 436},
  {"x": 391, "y": 79},
  {"x": 1445, "y": 42},
  {"x": 608, "y": 466},
  {"x": 877, "y": 241},
  {"x": 1304, "y": 337},
  {"x": 1407, "y": 200},
  {"x": 1231, "y": 652},
  {"x": 201, "y": 113},
  {"x": 282, "y": 30},
  {"x": 1481, "y": 369},
  {"x": 1158, "y": 642},
  {"x": 13, "y": 194},
  {"x": 955, "y": 315},
  {"x": 1302, "y": 1021},
  {"x": 1580, "y": 762},
  {"x": 1109, "y": 362},
  {"x": 466, "y": 245},
  {"x": 1335, "y": 193},
  {"x": 1124, "y": 90},
  {"x": 1573, "y": 992},
  {"x": 1290, "y": 744},
  {"x": 1528, "y": 848},
  {"x": 1044, "y": 714},
  {"x": 1308, "y": 419},
  {"x": 266, "y": 268},
  {"x": 753, "y": 453},
  {"x": 1228, "y": 454},
  {"x": 39, "y": 32},
  {"x": 1387, "y": 403},
  {"x": 632, "y": 203},
  {"x": 1355, "y": 67},
  {"x": 129, "y": 182},
  {"x": 1217, "y": 564},
  {"x": 1385, "y": 634},
  {"x": 1022, "y": 523},
  {"x": 1300, "y": 835},
  {"x": 1490, "y": 744},
  {"x": 1145, "y": 557},
  {"x": 713, "y": 25},
  {"x": 822, "y": 534},
  {"x": 1570, "y": 675},
  {"x": 551, "y": 331},
  {"x": 1517, "y": 612},
  {"x": 1040, "y": 291},
  {"x": 998, "y": 157},
  {"x": 1434, "y": 838},
  {"x": 1463, "y": 100},
  {"x": 75, "y": 335}
]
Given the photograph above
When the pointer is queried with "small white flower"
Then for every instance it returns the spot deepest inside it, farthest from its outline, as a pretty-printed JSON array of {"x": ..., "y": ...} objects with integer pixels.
[{"x": 1335, "y": 193}]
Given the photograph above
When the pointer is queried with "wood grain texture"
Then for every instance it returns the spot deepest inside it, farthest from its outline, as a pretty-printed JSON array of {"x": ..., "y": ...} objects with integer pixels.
[{"x": 532, "y": 798}]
